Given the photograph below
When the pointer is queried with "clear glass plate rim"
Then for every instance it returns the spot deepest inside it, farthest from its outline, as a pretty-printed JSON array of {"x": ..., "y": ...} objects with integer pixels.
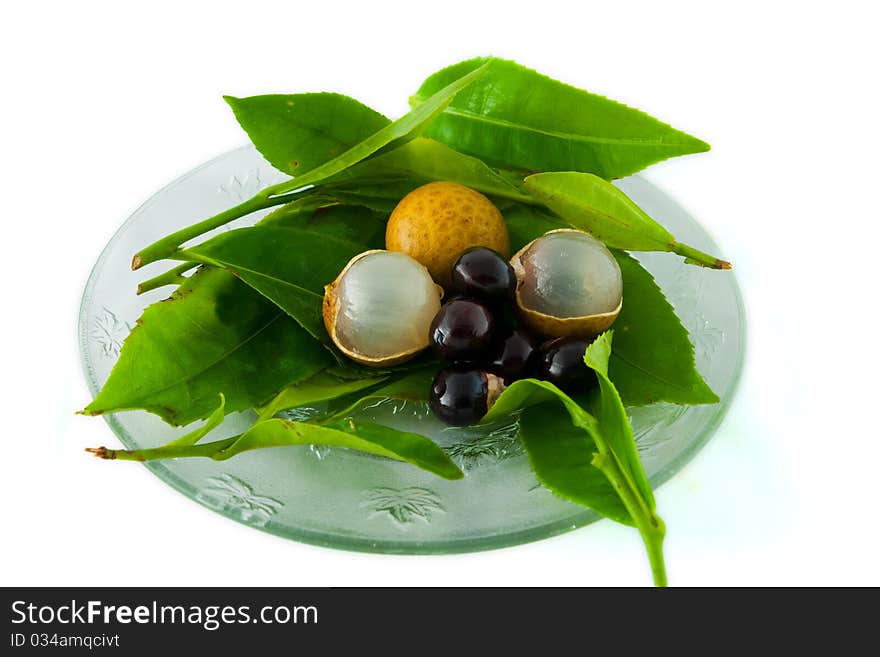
[{"x": 577, "y": 519}]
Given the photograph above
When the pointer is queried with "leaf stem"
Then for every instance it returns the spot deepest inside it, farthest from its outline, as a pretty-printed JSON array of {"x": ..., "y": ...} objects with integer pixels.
[
  {"x": 169, "y": 451},
  {"x": 164, "y": 247},
  {"x": 173, "y": 276},
  {"x": 650, "y": 526},
  {"x": 696, "y": 257}
]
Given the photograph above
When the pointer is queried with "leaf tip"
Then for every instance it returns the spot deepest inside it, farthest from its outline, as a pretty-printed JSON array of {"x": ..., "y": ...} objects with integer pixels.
[
  {"x": 598, "y": 353},
  {"x": 700, "y": 146},
  {"x": 453, "y": 476},
  {"x": 709, "y": 395},
  {"x": 88, "y": 411}
]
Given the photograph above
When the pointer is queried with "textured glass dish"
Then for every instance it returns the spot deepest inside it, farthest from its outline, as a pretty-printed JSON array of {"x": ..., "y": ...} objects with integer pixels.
[{"x": 345, "y": 499}]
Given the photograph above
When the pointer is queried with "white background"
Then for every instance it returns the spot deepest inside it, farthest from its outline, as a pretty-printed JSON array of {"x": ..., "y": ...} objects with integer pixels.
[{"x": 103, "y": 103}]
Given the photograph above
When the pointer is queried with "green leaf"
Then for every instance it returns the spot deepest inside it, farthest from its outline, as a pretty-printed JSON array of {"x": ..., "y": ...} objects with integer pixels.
[
  {"x": 214, "y": 334},
  {"x": 364, "y": 436},
  {"x": 612, "y": 421},
  {"x": 289, "y": 266},
  {"x": 612, "y": 449},
  {"x": 618, "y": 457},
  {"x": 404, "y": 129},
  {"x": 589, "y": 203},
  {"x": 321, "y": 387},
  {"x": 213, "y": 421},
  {"x": 297, "y": 132},
  {"x": 561, "y": 455},
  {"x": 516, "y": 118},
  {"x": 653, "y": 358},
  {"x": 424, "y": 160}
]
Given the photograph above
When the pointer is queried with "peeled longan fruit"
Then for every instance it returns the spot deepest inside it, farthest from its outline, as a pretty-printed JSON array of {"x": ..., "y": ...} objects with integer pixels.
[
  {"x": 568, "y": 285},
  {"x": 379, "y": 309},
  {"x": 436, "y": 222}
]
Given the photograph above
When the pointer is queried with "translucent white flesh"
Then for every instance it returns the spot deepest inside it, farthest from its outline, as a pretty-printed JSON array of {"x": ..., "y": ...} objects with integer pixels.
[
  {"x": 386, "y": 304},
  {"x": 570, "y": 275}
]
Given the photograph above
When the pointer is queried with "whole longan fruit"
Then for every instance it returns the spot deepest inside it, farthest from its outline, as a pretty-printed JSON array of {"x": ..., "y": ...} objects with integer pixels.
[{"x": 436, "y": 222}]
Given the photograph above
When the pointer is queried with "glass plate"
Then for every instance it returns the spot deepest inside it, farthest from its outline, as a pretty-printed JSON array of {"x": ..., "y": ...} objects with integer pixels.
[{"x": 345, "y": 499}]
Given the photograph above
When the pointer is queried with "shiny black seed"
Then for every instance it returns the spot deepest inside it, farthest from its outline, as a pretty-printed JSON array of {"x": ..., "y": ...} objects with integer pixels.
[
  {"x": 460, "y": 396},
  {"x": 483, "y": 274},
  {"x": 462, "y": 330},
  {"x": 512, "y": 356},
  {"x": 561, "y": 361}
]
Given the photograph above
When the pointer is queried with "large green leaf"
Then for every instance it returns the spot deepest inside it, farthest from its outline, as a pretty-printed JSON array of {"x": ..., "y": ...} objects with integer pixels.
[
  {"x": 589, "y": 203},
  {"x": 397, "y": 133},
  {"x": 653, "y": 358},
  {"x": 360, "y": 435},
  {"x": 289, "y": 266},
  {"x": 297, "y": 132},
  {"x": 516, "y": 118},
  {"x": 213, "y": 335}
]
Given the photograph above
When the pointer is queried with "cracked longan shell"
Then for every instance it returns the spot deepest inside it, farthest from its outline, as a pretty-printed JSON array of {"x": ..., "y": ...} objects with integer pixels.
[
  {"x": 550, "y": 326},
  {"x": 437, "y": 222}
]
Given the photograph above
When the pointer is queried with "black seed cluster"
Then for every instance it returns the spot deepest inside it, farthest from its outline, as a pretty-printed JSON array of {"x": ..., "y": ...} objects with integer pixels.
[{"x": 477, "y": 334}]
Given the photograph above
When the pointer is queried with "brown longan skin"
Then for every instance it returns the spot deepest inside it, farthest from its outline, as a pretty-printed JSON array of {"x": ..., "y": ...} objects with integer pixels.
[{"x": 435, "y": 223}]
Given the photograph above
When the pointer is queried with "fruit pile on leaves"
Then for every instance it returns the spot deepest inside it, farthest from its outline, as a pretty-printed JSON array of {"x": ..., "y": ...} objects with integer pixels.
[{"x": 385, "y": 272}]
